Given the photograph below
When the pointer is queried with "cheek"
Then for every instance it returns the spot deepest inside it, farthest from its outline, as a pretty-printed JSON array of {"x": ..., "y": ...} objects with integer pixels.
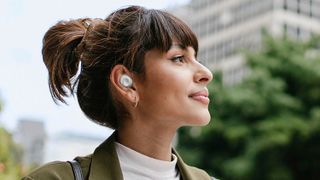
[
  {"x": 172, "y": 82},
  {"x": 165, "y": 89}
]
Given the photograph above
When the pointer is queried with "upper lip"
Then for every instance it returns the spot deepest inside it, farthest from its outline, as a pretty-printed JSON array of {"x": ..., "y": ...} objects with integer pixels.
[{"x": 200, "y": 93}]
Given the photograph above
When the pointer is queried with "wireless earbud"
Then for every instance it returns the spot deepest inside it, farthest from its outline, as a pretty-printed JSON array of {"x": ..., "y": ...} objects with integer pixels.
[{"x": 126, "y": 81}]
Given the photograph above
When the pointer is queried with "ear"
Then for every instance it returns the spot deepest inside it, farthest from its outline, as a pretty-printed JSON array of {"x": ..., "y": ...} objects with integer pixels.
[{"x": 130, "y": 93}]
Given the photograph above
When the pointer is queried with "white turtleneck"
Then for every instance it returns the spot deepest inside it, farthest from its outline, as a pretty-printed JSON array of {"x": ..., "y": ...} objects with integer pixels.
[{"x": 136, "y": 166}]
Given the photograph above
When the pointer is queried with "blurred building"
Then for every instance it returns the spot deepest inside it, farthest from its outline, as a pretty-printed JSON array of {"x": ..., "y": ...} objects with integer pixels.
[
  {"x": 225, "y": 27},
  {"x": 66, "y": 146},
  {"x": 31, "y": 135}
]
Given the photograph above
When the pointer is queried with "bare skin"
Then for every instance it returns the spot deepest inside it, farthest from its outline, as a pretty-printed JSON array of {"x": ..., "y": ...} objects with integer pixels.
[{"x": 173, "y": 94}]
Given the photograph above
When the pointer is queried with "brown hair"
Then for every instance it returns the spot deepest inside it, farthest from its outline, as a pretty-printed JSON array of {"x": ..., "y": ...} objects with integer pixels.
[{"x": 122, "y": 38}]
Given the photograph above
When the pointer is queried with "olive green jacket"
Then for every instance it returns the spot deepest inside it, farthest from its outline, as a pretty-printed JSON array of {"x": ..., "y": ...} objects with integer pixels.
[{"x": 103, "y": 164}]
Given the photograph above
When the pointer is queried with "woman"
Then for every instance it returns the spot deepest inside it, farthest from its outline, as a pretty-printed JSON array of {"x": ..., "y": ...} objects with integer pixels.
[{"x": 135, "y": 72}]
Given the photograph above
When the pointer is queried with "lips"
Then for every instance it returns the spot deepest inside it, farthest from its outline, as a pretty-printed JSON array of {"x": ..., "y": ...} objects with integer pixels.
[{"x": 201, "y": 96}]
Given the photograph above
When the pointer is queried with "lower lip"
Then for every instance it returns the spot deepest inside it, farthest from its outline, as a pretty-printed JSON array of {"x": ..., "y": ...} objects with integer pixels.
[{"x": 202, "y": 99}]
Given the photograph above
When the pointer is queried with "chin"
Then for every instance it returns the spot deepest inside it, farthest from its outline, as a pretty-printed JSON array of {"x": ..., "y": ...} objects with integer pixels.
[{"x": 202, "y": 120}]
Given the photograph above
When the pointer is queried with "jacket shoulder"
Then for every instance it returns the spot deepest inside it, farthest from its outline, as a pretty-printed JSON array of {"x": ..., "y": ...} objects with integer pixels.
[{"x": 56, "y": 170}]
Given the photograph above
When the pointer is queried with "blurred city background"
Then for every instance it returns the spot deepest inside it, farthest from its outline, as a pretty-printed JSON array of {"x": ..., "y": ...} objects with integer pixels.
[{"x": 265, "y": 97}]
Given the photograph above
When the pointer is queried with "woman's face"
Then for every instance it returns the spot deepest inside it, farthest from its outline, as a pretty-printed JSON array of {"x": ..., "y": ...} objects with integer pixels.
[{"x": 174, "y": 91}]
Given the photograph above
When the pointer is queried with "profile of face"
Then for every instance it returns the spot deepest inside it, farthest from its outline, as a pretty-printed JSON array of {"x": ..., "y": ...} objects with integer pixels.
[{"x": 173, "y": 92}]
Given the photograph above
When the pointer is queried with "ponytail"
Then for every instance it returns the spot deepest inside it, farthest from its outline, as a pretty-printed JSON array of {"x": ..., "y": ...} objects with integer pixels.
[
  {"x": 61, "y": 56},
  {"x": 64, "y": 46}
]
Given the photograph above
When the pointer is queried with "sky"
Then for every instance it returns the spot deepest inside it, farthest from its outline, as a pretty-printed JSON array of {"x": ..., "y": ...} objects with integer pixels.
[{"x": 24, "y": 90}]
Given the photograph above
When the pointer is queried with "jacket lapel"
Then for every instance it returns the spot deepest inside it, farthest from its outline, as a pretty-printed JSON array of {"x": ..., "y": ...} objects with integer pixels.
[
  {"x": 189, "y": 172},
  {"x": 105, "y": 163}
]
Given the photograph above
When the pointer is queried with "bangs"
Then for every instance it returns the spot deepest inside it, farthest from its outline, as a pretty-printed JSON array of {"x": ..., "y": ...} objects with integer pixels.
[
  {"x": 139, "y": 30},
  {"x": 162, "y": 29}
]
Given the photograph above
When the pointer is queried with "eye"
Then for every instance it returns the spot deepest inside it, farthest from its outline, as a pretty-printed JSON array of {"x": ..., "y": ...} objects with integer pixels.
[{"x": 178, "y": 58}]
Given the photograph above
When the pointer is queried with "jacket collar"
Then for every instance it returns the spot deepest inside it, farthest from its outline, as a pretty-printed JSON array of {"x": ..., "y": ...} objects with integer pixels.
[
  {"x": 190, "y": 173},
  {"x": 105, "y": 164}
]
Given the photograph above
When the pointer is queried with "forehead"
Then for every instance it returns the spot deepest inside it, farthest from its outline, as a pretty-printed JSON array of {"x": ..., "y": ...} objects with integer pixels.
[{"x": 178, "y": 47}]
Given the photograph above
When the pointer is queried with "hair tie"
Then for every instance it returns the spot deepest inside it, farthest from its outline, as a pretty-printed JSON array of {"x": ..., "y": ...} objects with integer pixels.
[
  {"x": 80, "y": 48},
  {"x": 86, "y": 23}
]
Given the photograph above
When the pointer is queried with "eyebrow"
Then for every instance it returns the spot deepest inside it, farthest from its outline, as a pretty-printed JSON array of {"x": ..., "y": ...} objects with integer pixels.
[{"x": 179, "y": 46}]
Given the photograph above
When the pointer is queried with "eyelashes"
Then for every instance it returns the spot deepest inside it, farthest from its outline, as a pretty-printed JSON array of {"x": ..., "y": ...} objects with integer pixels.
[{"x": 179, "y": 59}]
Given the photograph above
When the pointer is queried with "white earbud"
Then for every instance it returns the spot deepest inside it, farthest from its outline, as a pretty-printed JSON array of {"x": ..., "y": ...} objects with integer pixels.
[{"x": 126, "y": 81}]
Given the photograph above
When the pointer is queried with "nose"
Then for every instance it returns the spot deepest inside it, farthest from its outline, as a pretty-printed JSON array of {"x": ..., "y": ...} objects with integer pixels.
[{"x": 203, "y": 75}]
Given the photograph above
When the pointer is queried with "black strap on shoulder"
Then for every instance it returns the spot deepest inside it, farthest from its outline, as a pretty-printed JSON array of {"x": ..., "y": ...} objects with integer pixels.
[{"x": 77, "y": 171}]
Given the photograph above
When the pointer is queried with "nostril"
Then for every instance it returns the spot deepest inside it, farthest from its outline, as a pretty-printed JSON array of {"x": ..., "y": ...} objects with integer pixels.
[{"x": 204, "y": 79}]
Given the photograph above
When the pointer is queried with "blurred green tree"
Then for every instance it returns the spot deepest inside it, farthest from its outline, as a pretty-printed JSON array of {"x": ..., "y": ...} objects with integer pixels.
[
  {"x": 10, "y": 156},
  {"x": 268, "y": 126}
]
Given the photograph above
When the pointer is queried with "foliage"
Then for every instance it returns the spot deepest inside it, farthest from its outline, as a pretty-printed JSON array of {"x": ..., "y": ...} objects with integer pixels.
[
  {"x": 268, "y": 126},
  {"x": 10, "y": 156}
]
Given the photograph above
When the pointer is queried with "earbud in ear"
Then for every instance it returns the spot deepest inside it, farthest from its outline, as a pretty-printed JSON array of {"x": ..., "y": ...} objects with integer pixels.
[{"x": 126, "y": 81}]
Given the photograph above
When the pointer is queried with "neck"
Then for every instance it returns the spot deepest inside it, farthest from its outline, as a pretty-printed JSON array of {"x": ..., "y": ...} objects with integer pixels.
[{"x": 147, "y": 139}]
